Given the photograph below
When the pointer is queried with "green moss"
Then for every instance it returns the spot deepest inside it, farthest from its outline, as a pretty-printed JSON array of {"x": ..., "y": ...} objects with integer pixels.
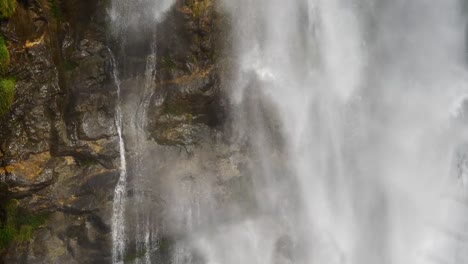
[
  {"x": 7, "y": 230},
  {"x": 168, "y": 63},
  {"x": 7, "y": 236},
  {"x": 18, "y": 225},
  {"x": 7, "y": 85},
  {"x": 32, "y": 220},
  {"x": 7, "y": 8},
  {"x": 55, "y": 9},
  {"x": 199, "y": 7},
  {"x": 4, "y": 56},
  {"x": 24, "y": 233},
  {"x": 7, "y": 94},
  {"x": 69, "y": 65}
]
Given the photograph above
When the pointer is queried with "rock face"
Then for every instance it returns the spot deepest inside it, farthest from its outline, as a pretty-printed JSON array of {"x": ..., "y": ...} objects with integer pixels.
[
  {"x": 58, "y": 143},
  {"x": 188, "y": 101}
]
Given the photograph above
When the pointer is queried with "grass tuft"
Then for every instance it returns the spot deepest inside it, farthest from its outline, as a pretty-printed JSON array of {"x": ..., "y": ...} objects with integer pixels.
[{"x": 7, "y": 8}]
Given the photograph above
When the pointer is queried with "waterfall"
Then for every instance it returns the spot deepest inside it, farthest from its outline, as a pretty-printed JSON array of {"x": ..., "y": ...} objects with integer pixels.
[
  {"x": 364, "y": 91},
  {"x": 120, "y": 195},
  {"x": 128, "y": 20},
  {"x": 354, "y": 114},
  {"x": 145, "y": 232}
]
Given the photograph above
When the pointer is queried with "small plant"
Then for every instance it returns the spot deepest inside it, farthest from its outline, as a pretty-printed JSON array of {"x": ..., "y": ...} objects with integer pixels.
[
  {"x": 7, "y": 94},
  {"x": 7, "y": 8},
  {"x": 4, "y": 56},
  {"x": 19, "y": 226}
]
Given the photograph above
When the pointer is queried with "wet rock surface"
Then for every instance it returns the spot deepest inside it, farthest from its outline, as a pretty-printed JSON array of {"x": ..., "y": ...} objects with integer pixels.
[
  {"x": 188, "y": 101},
  {"x": 58, "y": 142},
  {"x": 59, "y": 152}
]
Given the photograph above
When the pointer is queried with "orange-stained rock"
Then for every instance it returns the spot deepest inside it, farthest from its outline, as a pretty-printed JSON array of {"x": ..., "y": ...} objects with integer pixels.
[{"x": 29, "y": 169}]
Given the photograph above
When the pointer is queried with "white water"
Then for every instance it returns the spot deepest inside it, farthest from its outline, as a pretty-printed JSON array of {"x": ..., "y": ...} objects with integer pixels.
[
  {"x": 145, "y": 232},
  {"x": 120, "y": 192},
  {"x": 127, "y": 20},
  {"x": 372, "y": 167},
  {"x": 364, "y": 90}
]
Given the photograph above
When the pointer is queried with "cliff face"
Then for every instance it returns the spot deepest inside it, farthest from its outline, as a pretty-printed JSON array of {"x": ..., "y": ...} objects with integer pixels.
[
  {"x": 59, "y": 156},
  {"x": 58, "y": 144}
]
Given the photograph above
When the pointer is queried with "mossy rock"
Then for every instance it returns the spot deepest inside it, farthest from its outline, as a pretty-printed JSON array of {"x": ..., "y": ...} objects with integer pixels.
[
  {"x": 7, "y": 94},
  {"x": 4, "y": 56},
  {"x": 199, "y": 7},
  {"x": 19, "y": 225},
  {"x": 7, "y": 229},
  {"x": 7, "y": 8}
]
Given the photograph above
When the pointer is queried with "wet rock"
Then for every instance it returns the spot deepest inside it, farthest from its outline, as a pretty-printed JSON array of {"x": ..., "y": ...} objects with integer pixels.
[
  {"x": 58, "y": 145},
  {"x": 188, "y": 101},
  {"x": 58, "y": 148}
]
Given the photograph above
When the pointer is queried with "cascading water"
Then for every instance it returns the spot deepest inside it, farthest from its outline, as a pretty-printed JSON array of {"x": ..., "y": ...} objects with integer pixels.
[
  {"x": 363, "y": 90},
  {"x": 118, "y": 209},
  {"x": 127, "y": 22},
  {"x": 355, "y": 112}
]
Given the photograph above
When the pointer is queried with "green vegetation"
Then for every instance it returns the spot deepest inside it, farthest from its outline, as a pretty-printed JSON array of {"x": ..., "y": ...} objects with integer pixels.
[
  {"x": 168, "y": 63},
  {"x": 55, "y": 9},
  {"x": 199, "y": 7},
  {"x": 19, "y": 225},
  {"x": 7, "y": 8},
  {"x": 7, "y": 85},
  {"x": 4, "y": 56},
  {"x": 7, "y": 94}
]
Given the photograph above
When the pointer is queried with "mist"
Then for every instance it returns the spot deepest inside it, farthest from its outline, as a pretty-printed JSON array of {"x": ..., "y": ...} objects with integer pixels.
[{"x": 349, "y": 118}]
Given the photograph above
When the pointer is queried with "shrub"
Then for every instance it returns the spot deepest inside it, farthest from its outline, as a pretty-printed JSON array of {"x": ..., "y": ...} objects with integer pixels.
[
  {"x": 7, "y": 8},
  {"x": 7, "y": 94}
]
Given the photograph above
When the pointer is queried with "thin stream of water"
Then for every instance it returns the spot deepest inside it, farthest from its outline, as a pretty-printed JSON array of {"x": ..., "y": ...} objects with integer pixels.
[{"x": 120, "y": 192}]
